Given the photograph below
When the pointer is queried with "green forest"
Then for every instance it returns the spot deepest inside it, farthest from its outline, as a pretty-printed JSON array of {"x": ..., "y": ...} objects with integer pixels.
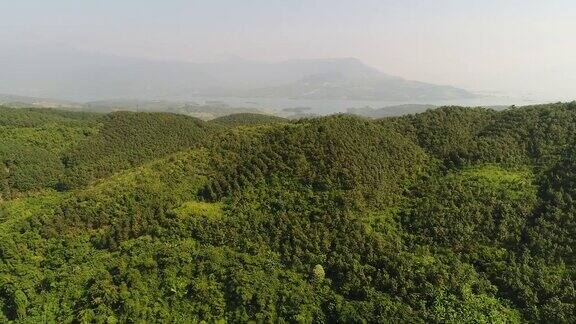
[{"x": 453, "y": 215}]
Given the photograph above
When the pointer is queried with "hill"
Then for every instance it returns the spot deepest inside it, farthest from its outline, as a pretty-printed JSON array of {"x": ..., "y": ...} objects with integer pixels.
[
  {"x": 32, "y": 143},
  {"x": 451, "y": 215},
  {"x": 45, "y": 148},
  {"x": 127, "y": 139}
]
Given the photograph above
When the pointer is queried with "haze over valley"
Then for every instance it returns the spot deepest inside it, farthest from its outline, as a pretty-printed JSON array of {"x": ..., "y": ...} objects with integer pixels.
[{"x": 63, "y": 77}]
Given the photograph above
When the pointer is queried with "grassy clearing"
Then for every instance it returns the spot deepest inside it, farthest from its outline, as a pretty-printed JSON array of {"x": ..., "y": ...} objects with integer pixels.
[
  {"x": 198, "y": 208},
  {"x": 516, "y": 181},
  {"x": 41, "y": 203}
]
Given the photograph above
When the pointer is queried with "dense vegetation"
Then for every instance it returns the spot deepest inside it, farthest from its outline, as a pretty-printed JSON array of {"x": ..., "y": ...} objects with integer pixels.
[{"x": 452, "y": 215}]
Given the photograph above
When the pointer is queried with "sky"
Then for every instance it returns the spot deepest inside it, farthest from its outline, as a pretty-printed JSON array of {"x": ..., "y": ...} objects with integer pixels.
[{"x": 508, "y": 46}]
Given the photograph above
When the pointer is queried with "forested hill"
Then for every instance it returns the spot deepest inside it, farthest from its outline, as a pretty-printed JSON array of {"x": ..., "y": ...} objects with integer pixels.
[{"x": 452, "y": 215}]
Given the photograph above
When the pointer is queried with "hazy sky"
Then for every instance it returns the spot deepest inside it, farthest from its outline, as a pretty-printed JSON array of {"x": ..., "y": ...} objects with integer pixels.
[{"x": 500, "y": 45}]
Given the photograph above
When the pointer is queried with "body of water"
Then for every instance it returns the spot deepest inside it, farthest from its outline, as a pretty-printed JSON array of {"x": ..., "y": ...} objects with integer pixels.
[{"x": 324, "y": 107}]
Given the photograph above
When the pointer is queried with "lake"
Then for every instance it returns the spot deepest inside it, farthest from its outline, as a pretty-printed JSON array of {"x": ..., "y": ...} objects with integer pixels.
[{"x": 324, "y": 107}]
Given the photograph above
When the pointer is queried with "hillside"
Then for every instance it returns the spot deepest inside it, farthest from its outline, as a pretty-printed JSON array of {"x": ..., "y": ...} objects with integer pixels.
[
  {"x": 458, "y": 215},
  {"x": 247, "y": 119}
]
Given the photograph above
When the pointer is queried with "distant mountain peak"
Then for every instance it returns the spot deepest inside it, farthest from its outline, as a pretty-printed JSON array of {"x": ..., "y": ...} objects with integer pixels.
[{"x": 83, "y": 76}]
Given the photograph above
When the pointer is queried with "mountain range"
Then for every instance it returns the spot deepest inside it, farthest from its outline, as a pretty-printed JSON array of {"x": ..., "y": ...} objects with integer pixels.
[{"x": 67, "y": 73}]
